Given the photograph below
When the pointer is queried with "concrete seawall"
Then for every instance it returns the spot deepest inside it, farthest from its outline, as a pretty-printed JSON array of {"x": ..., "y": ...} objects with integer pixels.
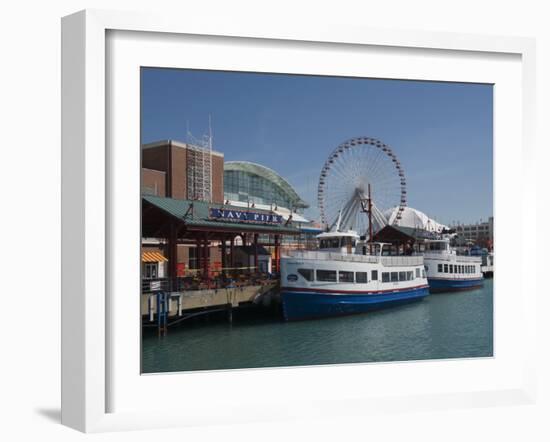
[{"x": 181, "y": 302}]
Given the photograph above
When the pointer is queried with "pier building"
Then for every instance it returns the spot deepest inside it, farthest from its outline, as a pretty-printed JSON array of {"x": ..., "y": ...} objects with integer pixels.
[
  {"x": 248, "y": 184},
  {"x": 195, "y": 240}
]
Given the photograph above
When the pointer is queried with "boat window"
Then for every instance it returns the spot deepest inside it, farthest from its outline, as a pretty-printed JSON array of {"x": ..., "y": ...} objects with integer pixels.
[
  {"x": 374, "y": 275},
  {"x": 326, "y": 275},
  {"x": 402, "y": 276},
  {"x": 450, "y": 268},
  {"x": 440, "y": 268},
  {"x": 345, "y": 276},
  {"x": 307, "y": 274},
  {"x": 418, "y": 273},
  {"x": 394, "y": 277},
  {"x": 385, "y": 277},
  {"x": 410, "y": 276},
  {"x": 446, "y": 268},
  {"x": 423, "y": 273},
  {"x": 329, "y": 243},
  {"x": 456, "y": 268},
  {"x": 361, "y": 277}
]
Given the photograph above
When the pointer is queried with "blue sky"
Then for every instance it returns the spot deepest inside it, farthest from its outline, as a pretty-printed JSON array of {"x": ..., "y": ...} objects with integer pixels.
[{"x": 441, "y": 132}]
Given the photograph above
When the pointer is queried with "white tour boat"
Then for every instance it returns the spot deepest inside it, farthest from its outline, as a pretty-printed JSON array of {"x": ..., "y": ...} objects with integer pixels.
[
  {"x": 336, "y": 280},
  {"x": 448, "y": 271}
]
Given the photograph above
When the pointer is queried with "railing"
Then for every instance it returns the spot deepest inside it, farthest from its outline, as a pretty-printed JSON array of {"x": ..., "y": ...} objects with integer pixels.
[
  {"x": 389, "y": 261},
  {"x": 180, "y": 284},
  {"x": 396, "y": 261},
  {"x": 458, "y": 258}
]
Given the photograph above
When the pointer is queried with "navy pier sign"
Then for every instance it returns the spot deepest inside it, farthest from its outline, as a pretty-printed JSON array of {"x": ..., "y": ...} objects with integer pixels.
[{"x": 245, "y": 216}]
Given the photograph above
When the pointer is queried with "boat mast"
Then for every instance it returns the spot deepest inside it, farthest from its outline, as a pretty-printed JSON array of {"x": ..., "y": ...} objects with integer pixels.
[{"x": 370, "y": 220}]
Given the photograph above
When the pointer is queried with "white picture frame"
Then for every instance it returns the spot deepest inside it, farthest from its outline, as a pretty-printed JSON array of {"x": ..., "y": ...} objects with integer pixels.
[{"x": 88, "y": 232}]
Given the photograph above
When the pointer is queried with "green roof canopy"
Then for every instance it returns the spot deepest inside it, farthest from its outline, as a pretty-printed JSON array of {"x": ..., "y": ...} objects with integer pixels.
[{"x": 195, "y": 214}]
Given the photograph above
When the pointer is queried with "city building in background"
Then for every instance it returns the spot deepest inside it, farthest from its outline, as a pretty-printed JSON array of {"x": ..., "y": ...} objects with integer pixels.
[{"x": 480, "y": 233}]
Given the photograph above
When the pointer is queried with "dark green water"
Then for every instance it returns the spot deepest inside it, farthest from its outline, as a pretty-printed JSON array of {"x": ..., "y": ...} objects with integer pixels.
[{"x": 444, "y": 325}]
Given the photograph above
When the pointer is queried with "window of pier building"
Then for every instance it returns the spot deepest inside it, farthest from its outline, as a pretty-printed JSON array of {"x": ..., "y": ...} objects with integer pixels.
[
  {"x": 150, "y": 270},
  {"x": 248, "y": 182}
]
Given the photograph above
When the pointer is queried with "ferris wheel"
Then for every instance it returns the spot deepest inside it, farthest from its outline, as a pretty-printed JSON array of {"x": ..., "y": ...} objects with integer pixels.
[{"x": 344, "y": 184}]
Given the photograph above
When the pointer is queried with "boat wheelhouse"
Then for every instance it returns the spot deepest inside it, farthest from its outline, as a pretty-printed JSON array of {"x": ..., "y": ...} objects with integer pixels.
[
  {"x": 340, "y": 278},
  {"x": 448, "y": 271}
]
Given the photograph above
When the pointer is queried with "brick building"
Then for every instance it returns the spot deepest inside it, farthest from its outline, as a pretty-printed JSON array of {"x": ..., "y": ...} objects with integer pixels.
[{"x": 179, "y": 170}]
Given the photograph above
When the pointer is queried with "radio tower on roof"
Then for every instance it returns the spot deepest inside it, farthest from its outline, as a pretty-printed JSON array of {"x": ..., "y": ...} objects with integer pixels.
[{"x": 199, "y": 165}]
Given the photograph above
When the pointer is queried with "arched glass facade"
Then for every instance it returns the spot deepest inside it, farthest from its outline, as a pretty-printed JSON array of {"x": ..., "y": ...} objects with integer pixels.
[{"x": 251, "y": 182}]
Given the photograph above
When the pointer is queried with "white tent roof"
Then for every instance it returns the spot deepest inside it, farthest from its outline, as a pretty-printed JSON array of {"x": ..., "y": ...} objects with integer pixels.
[{"x": 414, "y": 218}]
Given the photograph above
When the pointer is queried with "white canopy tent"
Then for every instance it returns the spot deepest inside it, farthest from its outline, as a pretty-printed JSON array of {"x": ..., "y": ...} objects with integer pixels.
[{"x": 414, "y": 218}]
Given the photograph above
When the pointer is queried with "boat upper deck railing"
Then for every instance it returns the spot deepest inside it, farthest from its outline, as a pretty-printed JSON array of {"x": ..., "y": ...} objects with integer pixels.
[
  {"x": 447, "y": 257},
  {"x": 333, "y": 256}
]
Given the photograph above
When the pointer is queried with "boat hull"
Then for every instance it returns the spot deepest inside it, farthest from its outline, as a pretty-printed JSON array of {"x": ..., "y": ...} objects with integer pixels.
[
  {"x": 301, "y": 304},
  {"x": 438, "y": 285}
]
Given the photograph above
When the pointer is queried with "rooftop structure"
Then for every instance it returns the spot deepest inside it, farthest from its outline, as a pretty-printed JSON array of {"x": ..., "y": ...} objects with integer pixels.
[
  {"x": 253, "y": 184},
  {"x": 413, "y": 218},
  {"x": 182, "y": 170}
]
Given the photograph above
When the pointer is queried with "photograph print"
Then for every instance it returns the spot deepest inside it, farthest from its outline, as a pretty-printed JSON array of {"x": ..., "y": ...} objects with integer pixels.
[{"x": 302, "y": 220}]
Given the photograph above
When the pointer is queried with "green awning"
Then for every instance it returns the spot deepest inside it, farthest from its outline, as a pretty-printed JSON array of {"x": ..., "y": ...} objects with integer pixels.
[{"x": 196, "y": 215}]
